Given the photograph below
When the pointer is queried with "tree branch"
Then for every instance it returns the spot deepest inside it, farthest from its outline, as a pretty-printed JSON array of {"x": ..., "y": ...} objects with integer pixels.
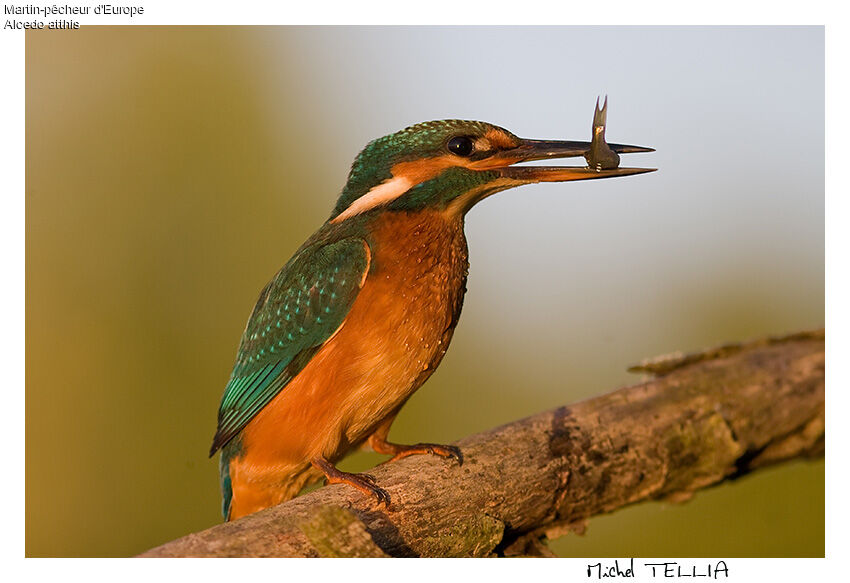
[{"x": 703, "y": 418}]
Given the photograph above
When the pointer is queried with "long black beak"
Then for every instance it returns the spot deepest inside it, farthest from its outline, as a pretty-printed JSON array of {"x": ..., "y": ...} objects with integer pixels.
[{"x": 531, "y": 150}]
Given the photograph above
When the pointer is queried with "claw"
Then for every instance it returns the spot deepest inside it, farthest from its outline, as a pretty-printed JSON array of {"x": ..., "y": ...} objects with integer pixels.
[
  {"x": 364, "y": 482},
  {"x": 383, "y": 496},
  {"x": 448, "y": 452}
]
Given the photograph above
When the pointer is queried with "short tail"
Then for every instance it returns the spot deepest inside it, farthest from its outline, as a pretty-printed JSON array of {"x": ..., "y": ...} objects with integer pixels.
[
  {"x": 226, "y": 485},
  {"x": 240, "y": 498}
]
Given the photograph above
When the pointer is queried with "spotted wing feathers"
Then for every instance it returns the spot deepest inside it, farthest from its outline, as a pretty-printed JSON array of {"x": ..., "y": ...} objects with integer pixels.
[{"x": 297, "y": 312}]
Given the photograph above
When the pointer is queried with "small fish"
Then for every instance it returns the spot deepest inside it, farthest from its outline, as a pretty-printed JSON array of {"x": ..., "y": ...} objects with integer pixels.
[{"x": 600, "y": 157}]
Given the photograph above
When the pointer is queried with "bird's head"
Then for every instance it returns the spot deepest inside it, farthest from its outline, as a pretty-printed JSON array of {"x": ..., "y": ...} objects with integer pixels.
[{"x": 453, "y": 164}]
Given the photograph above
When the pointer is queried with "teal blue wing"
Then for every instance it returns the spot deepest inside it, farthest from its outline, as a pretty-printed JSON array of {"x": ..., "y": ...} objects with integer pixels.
[{"x": 297, "y": 312}]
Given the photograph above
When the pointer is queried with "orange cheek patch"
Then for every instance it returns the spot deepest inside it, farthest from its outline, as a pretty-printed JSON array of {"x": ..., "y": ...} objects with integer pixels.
[
  {"x": 418, "y": 171},
  {"x": 494, "y": 162}
]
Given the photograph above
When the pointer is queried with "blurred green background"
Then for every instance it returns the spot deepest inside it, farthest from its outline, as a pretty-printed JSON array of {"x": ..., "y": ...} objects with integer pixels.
[{"x": 170, "y": 171}]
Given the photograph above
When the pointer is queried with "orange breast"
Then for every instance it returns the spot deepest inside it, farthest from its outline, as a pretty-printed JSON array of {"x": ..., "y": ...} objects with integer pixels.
[{"x": 396, "y": 333}]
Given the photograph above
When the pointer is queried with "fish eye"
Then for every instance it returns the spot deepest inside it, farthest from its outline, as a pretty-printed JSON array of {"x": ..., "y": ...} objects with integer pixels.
[{"x": 460, "y": 146}]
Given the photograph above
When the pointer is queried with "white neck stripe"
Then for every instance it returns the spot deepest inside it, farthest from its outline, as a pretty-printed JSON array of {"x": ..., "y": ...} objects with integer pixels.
[{"x": 385, "y": 192}]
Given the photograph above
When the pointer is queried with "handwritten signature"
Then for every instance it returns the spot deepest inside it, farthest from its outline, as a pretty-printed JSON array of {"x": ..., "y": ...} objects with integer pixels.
[{"x": 666, "y": 569}]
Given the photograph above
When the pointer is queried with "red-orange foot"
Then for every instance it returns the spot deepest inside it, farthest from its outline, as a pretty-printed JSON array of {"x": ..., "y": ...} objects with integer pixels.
[
  {"x": 363, "y": 482},
  {"x": 444, "y": 451},
  {"x": 402, "y": 451}
]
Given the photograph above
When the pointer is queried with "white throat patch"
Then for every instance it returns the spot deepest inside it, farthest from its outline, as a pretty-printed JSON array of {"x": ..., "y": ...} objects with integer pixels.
[{"x": 385, "y": 192}]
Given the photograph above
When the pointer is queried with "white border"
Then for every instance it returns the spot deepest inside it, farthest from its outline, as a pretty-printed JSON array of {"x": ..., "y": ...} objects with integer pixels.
[{"x": 437, "y": 12}]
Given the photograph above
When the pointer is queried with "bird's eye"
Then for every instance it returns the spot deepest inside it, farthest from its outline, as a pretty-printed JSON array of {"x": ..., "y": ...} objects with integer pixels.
[{"x": 460, "y": 146}]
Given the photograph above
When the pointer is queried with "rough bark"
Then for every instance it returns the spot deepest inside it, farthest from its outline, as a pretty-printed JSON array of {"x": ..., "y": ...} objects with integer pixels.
[{"x": 702, "y": 419}]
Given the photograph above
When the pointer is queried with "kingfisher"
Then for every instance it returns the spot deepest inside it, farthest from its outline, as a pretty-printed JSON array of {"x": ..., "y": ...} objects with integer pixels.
[{"x": 363, "y": 312}]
